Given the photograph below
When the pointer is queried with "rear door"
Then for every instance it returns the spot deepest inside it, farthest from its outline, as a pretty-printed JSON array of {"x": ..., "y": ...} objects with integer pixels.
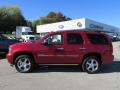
[{"x": 75, "y": 48}]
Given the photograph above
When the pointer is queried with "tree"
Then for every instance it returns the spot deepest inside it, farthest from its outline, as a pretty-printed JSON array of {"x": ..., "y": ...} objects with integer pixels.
[
  {"x": 10, "y": 17},
  {"x": 52, "y": 17},
  {"x": 57, "y": 17}
]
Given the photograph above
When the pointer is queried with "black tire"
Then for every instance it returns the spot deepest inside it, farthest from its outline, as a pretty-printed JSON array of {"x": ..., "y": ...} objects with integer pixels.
[
  {"x": 24, "y": 63},
  {"x": 80, "y": 67},
  {"x": 91, "y": 64}
]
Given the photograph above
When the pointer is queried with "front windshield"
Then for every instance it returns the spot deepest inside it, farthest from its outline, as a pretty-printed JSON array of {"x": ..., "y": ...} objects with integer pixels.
[
  {"x": 3, "y": 37},
  {"x": 27, "y": 33}
]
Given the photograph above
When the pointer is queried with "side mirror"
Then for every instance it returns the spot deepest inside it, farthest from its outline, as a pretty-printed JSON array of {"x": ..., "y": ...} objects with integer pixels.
[{"x": 48, "y": 42}]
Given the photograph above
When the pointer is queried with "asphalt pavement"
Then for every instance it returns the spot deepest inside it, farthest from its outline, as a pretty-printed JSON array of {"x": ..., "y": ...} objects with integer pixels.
[{"x": 59, "y": 77}]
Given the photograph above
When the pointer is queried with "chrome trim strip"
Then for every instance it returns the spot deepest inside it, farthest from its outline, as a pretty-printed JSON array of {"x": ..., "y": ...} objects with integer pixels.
[
  {"x": 72, "y": 55},
  {"x": 42, "y": 55}
]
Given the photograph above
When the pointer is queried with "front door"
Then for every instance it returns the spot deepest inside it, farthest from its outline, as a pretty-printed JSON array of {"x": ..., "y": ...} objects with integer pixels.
[{"x": 52, "y": 50}]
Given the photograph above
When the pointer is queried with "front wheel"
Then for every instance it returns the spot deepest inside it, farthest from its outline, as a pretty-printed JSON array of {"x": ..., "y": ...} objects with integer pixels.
[
  {"x": 91, "y": 64},
  {"x": 24, "y": 63}
]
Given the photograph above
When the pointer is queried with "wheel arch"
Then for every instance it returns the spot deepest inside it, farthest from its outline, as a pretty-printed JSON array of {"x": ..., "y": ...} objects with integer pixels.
[
  {"x": 23, "y": 53},
  {"x": 98, "y": 55}
]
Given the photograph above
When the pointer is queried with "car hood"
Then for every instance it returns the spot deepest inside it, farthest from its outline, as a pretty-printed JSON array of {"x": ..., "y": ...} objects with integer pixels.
[{"x": 23, "y": 46}]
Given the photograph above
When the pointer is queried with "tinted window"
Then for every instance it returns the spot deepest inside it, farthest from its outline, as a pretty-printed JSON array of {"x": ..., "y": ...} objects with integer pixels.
[
  {"x": 74, "y": 39},
  {"x": 97, "y": 39},
  {"x": 27, "y": 33}
]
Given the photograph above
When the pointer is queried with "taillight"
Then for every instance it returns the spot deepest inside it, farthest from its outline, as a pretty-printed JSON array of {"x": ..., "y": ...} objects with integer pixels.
[
  {"x": 110, "y": 42},
  {"x": 111, "y": 47}
]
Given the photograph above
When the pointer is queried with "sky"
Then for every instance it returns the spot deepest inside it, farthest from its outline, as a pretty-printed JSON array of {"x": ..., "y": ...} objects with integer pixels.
[{"x": 105, "y": 11}]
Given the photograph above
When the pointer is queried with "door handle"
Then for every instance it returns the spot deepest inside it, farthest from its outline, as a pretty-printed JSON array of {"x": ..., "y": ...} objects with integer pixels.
[
  {"x": 60, "y": 49},
  {"x": 82, "y": 48}
]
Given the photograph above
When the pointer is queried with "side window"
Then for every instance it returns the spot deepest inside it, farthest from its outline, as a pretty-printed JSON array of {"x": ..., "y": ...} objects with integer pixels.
[
  {"x": 55, "y": 39},
  {"x": 97, "y": 39},
  {"x": 74, "y": 38},
  {"x": 3, "y": 37}
]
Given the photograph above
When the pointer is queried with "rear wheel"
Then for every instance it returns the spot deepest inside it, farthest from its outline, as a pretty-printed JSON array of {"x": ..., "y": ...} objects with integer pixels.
[
  {"x": 91, "y": 64},
  {"x": 24, "y": 63}
]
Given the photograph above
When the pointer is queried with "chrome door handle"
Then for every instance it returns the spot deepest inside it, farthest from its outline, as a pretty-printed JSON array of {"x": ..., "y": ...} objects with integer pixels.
[
  {"x": 61, "y": 49},
  {"x": 82, "y": 48}
]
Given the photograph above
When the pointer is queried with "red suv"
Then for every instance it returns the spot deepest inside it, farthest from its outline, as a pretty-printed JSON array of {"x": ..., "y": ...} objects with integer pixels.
[{"x": 88, "y": 49}]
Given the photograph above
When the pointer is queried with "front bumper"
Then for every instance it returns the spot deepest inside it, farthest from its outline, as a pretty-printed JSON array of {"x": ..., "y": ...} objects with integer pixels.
[{"x": 9, "y": 58}]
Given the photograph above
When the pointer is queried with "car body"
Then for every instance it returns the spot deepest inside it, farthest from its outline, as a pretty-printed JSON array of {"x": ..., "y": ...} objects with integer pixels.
[
  {"x": 5, "y": 43},
  {"x": 88, "y": 49}
]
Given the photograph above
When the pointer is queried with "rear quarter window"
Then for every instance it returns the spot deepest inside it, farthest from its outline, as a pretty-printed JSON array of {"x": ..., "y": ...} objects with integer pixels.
[{"x": 97, "y": 39}]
